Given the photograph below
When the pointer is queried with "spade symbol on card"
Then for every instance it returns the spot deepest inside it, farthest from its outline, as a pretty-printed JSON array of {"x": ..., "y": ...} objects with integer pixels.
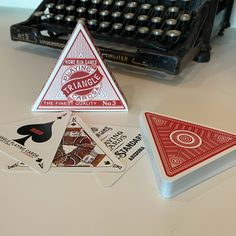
[
  {"x": 107, "y": 163},
  {"x": 39, "y": 133}
]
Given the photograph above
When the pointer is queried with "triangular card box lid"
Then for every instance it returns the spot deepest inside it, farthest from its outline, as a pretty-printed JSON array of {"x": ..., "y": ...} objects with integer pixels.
[
  {"x": 182, "y": 153},
  {"x": 81, "y": 80}
]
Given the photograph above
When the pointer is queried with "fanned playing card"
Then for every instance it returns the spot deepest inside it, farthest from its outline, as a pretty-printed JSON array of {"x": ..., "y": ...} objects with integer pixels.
[
  {"x": 81, "y": 80},
  {"x": 183, "y": 154},
  {"x": 79, "y": 151},
  {"x": 127, "y": 145},
  {"x": 35, "y": 141}
]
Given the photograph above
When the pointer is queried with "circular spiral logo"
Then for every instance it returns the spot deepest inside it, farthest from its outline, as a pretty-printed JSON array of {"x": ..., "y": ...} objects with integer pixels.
[{"x": 185, "y": 139}]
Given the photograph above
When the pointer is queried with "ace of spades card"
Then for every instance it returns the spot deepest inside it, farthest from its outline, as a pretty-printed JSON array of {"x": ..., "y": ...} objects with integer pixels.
[
  {"x": 79, "y": 151},
  {"x": 35, "y": 141}
]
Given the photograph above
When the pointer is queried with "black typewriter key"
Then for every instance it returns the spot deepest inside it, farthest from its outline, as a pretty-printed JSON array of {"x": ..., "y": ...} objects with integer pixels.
[
  {"x": 107, "y": 4},
  {"x": 143, "y": 32},
  {"x": 84, "y": 3},
  {"x": 170, "y": 24},
  {"x": 157, "y": 34},
  {"x": 81, "y": 12},
  {"x": 119, "y": 5},
  {"x": 49, "y": 17},
  {"x": 38, "y": 16},
  {"x": 104, "y": 15},
  {"x": 172, "y": 37},
  {"x": 92, "y": 13},
  {"x": 60, "y": 8},
  {"x": 172, "y": 3},
  {"x": 145, "y": 8},
  {"x": 104, "y": 26},
  {"x": 142, "y": 20},
  {"x": 50, "y": 7},
  {"x": 131, "y": 7},
  {"x": 70, "y": 20},
  {"x": 81, "y": 20},
  {"x": 184, "y": 22},
  {"x": 155, "y": 22},
  {"x": 185, "y": 5},
  {"x": 96, "y": 4},
  {"x": 92, "y": 24},
  {"x": 159, "y": 10},
  {"x": 59, "y": 19},
  {"x": 129, "y": 18},
  {"x": 116, "y": 16},
  {"x": 117, "y": 28},
  {"x": 172, "y": 12},
  {"x": 130, "y": 30},
  {"x": 70, "y": 10},
  {"x": 75, "y": 3}
]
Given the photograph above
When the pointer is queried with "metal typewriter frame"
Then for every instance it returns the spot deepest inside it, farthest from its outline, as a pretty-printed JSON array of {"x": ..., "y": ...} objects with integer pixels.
[{"x": 172, "y": 62}]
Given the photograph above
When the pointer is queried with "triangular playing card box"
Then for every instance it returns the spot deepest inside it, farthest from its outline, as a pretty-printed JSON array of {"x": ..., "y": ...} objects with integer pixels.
[
  {"x": 184, "y": 154},
  {"x": 81, "y": 80}
]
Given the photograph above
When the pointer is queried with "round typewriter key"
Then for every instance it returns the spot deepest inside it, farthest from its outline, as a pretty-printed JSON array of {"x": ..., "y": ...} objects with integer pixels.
[
  {"x": 60, "y": 9},
  {"x": 172, "y": 12},
  {"x": 116, "y": 16},
  {"x": 84, "y": 3},
  {"x": 92, "y": 24},
  {"x": 119, "y": 5},
  {"x": 159, "y": 10},
  {"x": 172, "y": 3},
  {"x": 142, "y": 20},
  {"x": 145, "y": 8},
  {"x": 157, "y": 34},
  {"x": 184, "y": 21},
  {"x": 96, "y": 4},
  {"x": 117, "y": 28},
  {"x": 129, "y": 17},
  {"x": 132, "y": 6},
  {"x": 130, "y": 30},
  {"x": 92, "y": 13},
  {"x": 59, "y": 19},
  {"x": 172, "y": 36},
  {"x": 81, "y": 20},
  {"x": 104, "y": 26},
  {"x": 81, "y": 11},
  {"x": 143, "y": 32},
  {"x": 38, "y": 16},
  {"x": 155, "y": 22},
  {"x": 75, "y": 3},
  {"x": 186, "y": 5},
  {"x": 50, "y": 7},
  {"x": 107, "y": 4},
  {"x": 70, "y": 10},
  {"x": 104, "y": 15},
  {"x": 70, "y": 20},
  {"x": 171, "y": 23},
  {"x": 49, "y": 17}
]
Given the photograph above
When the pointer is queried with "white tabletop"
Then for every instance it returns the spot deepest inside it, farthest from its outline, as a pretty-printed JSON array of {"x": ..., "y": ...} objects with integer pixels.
[{"x": 75, "y": 204}]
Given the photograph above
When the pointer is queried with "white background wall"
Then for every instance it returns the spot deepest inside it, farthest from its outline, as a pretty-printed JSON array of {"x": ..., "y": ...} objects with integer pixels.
[{"x": 34, "y": 3}]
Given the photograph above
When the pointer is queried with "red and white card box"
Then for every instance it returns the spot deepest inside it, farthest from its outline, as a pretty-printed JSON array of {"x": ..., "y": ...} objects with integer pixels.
[
  {"x": 81, "y": 80},
  {"x": 184, "y": 154}
]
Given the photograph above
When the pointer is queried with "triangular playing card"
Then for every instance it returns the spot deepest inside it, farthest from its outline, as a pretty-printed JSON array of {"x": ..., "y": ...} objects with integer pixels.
[
  {"x": 81, "y": 80},
  {"x": 35, "y": 141},
  {"x": 183, "y": 154}
]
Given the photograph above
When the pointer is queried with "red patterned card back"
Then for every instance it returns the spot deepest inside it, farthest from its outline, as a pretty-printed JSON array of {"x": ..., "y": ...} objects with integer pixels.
[{"x": 182, "y": 145}]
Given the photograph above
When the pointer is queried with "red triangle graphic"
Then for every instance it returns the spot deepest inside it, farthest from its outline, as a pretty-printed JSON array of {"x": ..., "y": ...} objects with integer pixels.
[
  {"x": 182, "y": 145},
  {"x": 81, "y": 80}
]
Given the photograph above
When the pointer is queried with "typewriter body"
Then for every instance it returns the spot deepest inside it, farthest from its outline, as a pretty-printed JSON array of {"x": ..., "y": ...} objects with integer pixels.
[{"x": 157, "y": 36}]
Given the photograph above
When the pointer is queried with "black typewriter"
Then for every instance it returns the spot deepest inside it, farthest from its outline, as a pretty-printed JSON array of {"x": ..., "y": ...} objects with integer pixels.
[{"x": 155, "y": 35}]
